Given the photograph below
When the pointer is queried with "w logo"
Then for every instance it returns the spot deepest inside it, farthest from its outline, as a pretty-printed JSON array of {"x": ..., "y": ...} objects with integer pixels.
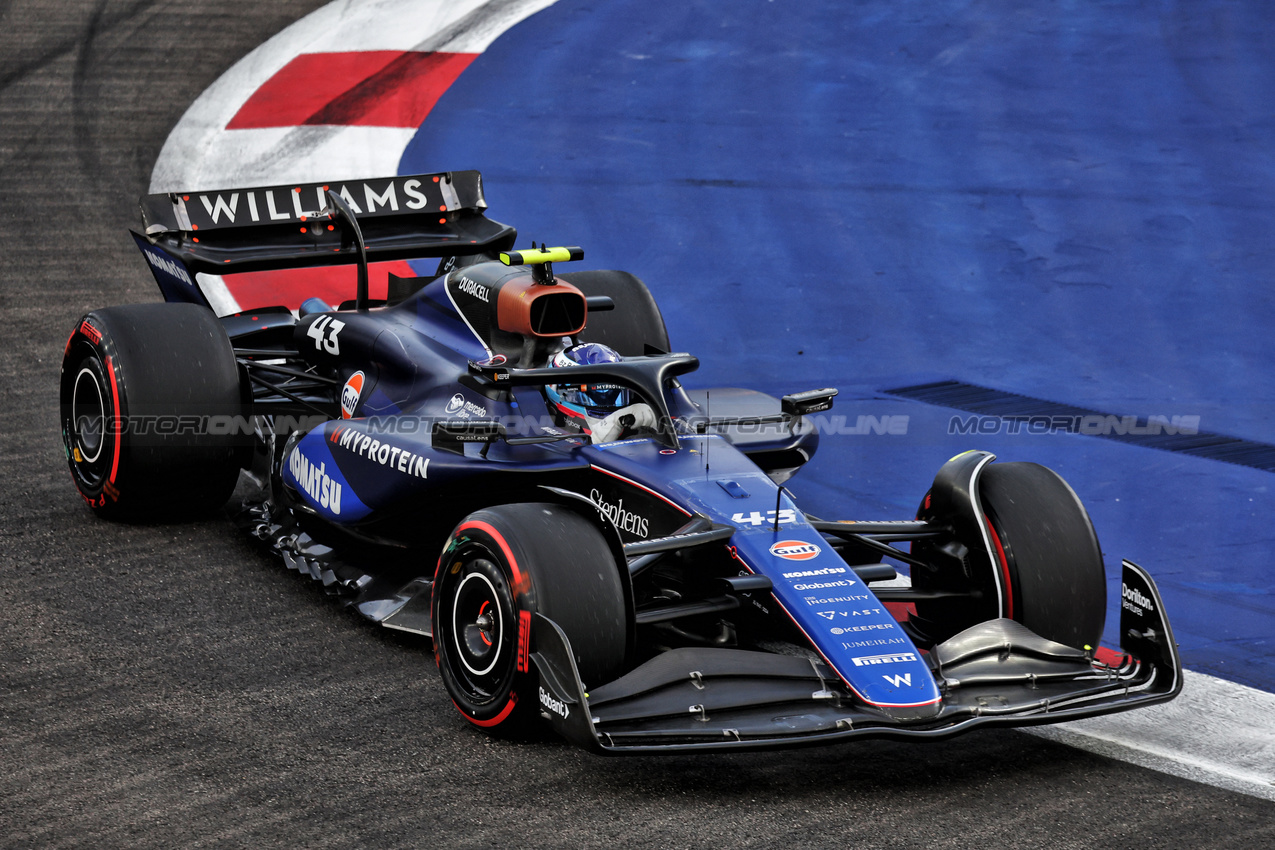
[{"x": 900, "y": 680}]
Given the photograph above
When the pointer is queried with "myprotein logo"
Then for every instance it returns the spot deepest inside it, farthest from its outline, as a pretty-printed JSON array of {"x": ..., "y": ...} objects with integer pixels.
[
  {"x": 350, "y": 395},
  {"x": 624, "y": 519},
  {"x": 795, "y": 550},
  {"x": 386, "y": 454},
  {"x": 1133, "y": 600},
  {"x": 551, "y": 703}
]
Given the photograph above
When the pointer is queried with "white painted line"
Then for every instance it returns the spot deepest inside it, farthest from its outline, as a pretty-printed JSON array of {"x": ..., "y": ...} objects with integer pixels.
[{"x": 1216, "y": 732}]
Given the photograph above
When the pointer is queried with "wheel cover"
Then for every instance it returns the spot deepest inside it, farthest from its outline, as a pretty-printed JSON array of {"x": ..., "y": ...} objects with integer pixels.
[
  {"x": 477, "y": 629},
  {"x": 477, "y": 624},
  {"x": 88, "y": 413}
]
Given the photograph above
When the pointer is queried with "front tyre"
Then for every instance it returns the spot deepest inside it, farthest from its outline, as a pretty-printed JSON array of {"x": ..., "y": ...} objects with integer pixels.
[
  {"x": 1043, "y": 564},
  {"x": 501, "y": 566}
]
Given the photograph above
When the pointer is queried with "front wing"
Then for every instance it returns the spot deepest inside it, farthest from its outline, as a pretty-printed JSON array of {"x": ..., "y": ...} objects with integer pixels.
[{"x": 996, "y": 674}]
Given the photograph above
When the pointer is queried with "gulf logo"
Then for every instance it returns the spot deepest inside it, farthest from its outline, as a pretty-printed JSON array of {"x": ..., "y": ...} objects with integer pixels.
[
  {"x": 795, "y": 550},
  {"x": 350, "y": 395}
]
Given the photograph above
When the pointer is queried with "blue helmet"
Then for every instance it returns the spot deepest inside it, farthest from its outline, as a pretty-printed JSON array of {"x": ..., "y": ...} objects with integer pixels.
[{"x": 589, "y": 400}]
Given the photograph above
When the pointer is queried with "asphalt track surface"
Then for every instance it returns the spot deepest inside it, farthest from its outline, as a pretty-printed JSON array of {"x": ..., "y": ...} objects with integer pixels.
[{"x": 171, "y": 684}]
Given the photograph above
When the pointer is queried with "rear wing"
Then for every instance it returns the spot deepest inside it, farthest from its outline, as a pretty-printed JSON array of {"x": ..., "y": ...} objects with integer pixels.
[{"x": 226, "y": 231}]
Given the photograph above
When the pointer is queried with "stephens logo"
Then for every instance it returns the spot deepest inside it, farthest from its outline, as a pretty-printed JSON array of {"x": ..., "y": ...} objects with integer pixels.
[
  {"x": 350, "y": 395},
  {"x": 624, "y": 520},
  {"x": 796, "y": 550}
]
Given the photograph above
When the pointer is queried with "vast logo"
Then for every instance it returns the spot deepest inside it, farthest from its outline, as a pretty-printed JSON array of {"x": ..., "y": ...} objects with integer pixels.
[
  {"x": 350, "y": 395},
  {"x": 797, "y": 550}
]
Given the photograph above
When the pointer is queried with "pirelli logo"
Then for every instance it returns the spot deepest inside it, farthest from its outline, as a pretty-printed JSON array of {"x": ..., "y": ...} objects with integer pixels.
[
  {"x": 524, "y": 641},
  {"x": 894, "y": 658}
]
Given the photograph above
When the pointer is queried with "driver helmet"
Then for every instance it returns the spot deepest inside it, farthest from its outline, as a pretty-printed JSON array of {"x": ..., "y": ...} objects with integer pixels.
[{"x": 588, "y": 401}]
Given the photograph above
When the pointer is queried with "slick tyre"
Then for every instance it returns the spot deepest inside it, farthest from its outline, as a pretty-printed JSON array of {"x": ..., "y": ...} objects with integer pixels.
[
  {"x": 152, "y": 411},
  {"x": 634, "y": 324},
  {"x": 1047, "y": 571},
  {"x": 499, "y": 568}
]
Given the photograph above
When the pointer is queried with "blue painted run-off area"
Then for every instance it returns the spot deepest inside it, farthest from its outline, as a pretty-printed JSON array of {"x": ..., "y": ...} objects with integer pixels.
[{"x": 1069, "y": 200}]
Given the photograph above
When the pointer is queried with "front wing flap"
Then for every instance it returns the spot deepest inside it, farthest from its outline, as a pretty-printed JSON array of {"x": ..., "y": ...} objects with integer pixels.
[{"x": 998, "y": 673}]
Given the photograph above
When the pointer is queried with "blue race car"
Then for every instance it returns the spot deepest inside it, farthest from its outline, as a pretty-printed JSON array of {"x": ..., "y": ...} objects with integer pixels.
[{"x": 505, "y": 459}]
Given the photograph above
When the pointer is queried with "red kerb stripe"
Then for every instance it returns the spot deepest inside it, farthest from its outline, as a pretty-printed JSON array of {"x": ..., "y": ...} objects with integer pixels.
[
  {"x": 289, "y": 287},
  {"x": 369, "y": 88}
]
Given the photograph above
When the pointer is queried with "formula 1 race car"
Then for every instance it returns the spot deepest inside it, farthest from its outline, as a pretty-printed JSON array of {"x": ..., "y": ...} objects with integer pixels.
[{"x": 505, "y": 459}]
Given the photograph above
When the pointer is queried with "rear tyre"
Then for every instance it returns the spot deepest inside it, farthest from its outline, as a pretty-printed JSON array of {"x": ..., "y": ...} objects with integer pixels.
[
  {"x": 501, "y": 566},
  {"x": 635, "y": 322},
  {"x": 151, "y": 410},
  {"x": 1048, "y": 568}
]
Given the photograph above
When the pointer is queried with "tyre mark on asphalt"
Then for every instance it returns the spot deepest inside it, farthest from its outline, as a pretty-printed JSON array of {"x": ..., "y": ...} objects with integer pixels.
[{"x": 64, "y": 46}]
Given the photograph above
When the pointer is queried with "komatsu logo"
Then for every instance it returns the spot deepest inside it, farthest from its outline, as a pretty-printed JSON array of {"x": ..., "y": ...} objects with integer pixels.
[
  {"x": 826, "y": 571},
  {"x": 322, "y": 489},
  {"x": 1134, "y": 601},
  {"x": 166, "y": 265},
  {"x": 550, "y": 703}
]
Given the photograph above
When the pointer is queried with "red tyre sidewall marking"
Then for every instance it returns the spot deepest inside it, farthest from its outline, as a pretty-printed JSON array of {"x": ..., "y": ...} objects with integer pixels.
[
  {"x": 1004, "y": 568},
  {"x": 495, "y": 721},
  {"x": 115, "y": 398}
]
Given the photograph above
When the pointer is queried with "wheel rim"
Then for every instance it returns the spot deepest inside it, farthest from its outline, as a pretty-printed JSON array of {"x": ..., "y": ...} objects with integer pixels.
[
  {"x": 477, "y": 624},
  {"x": 88, "y": 413}
]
